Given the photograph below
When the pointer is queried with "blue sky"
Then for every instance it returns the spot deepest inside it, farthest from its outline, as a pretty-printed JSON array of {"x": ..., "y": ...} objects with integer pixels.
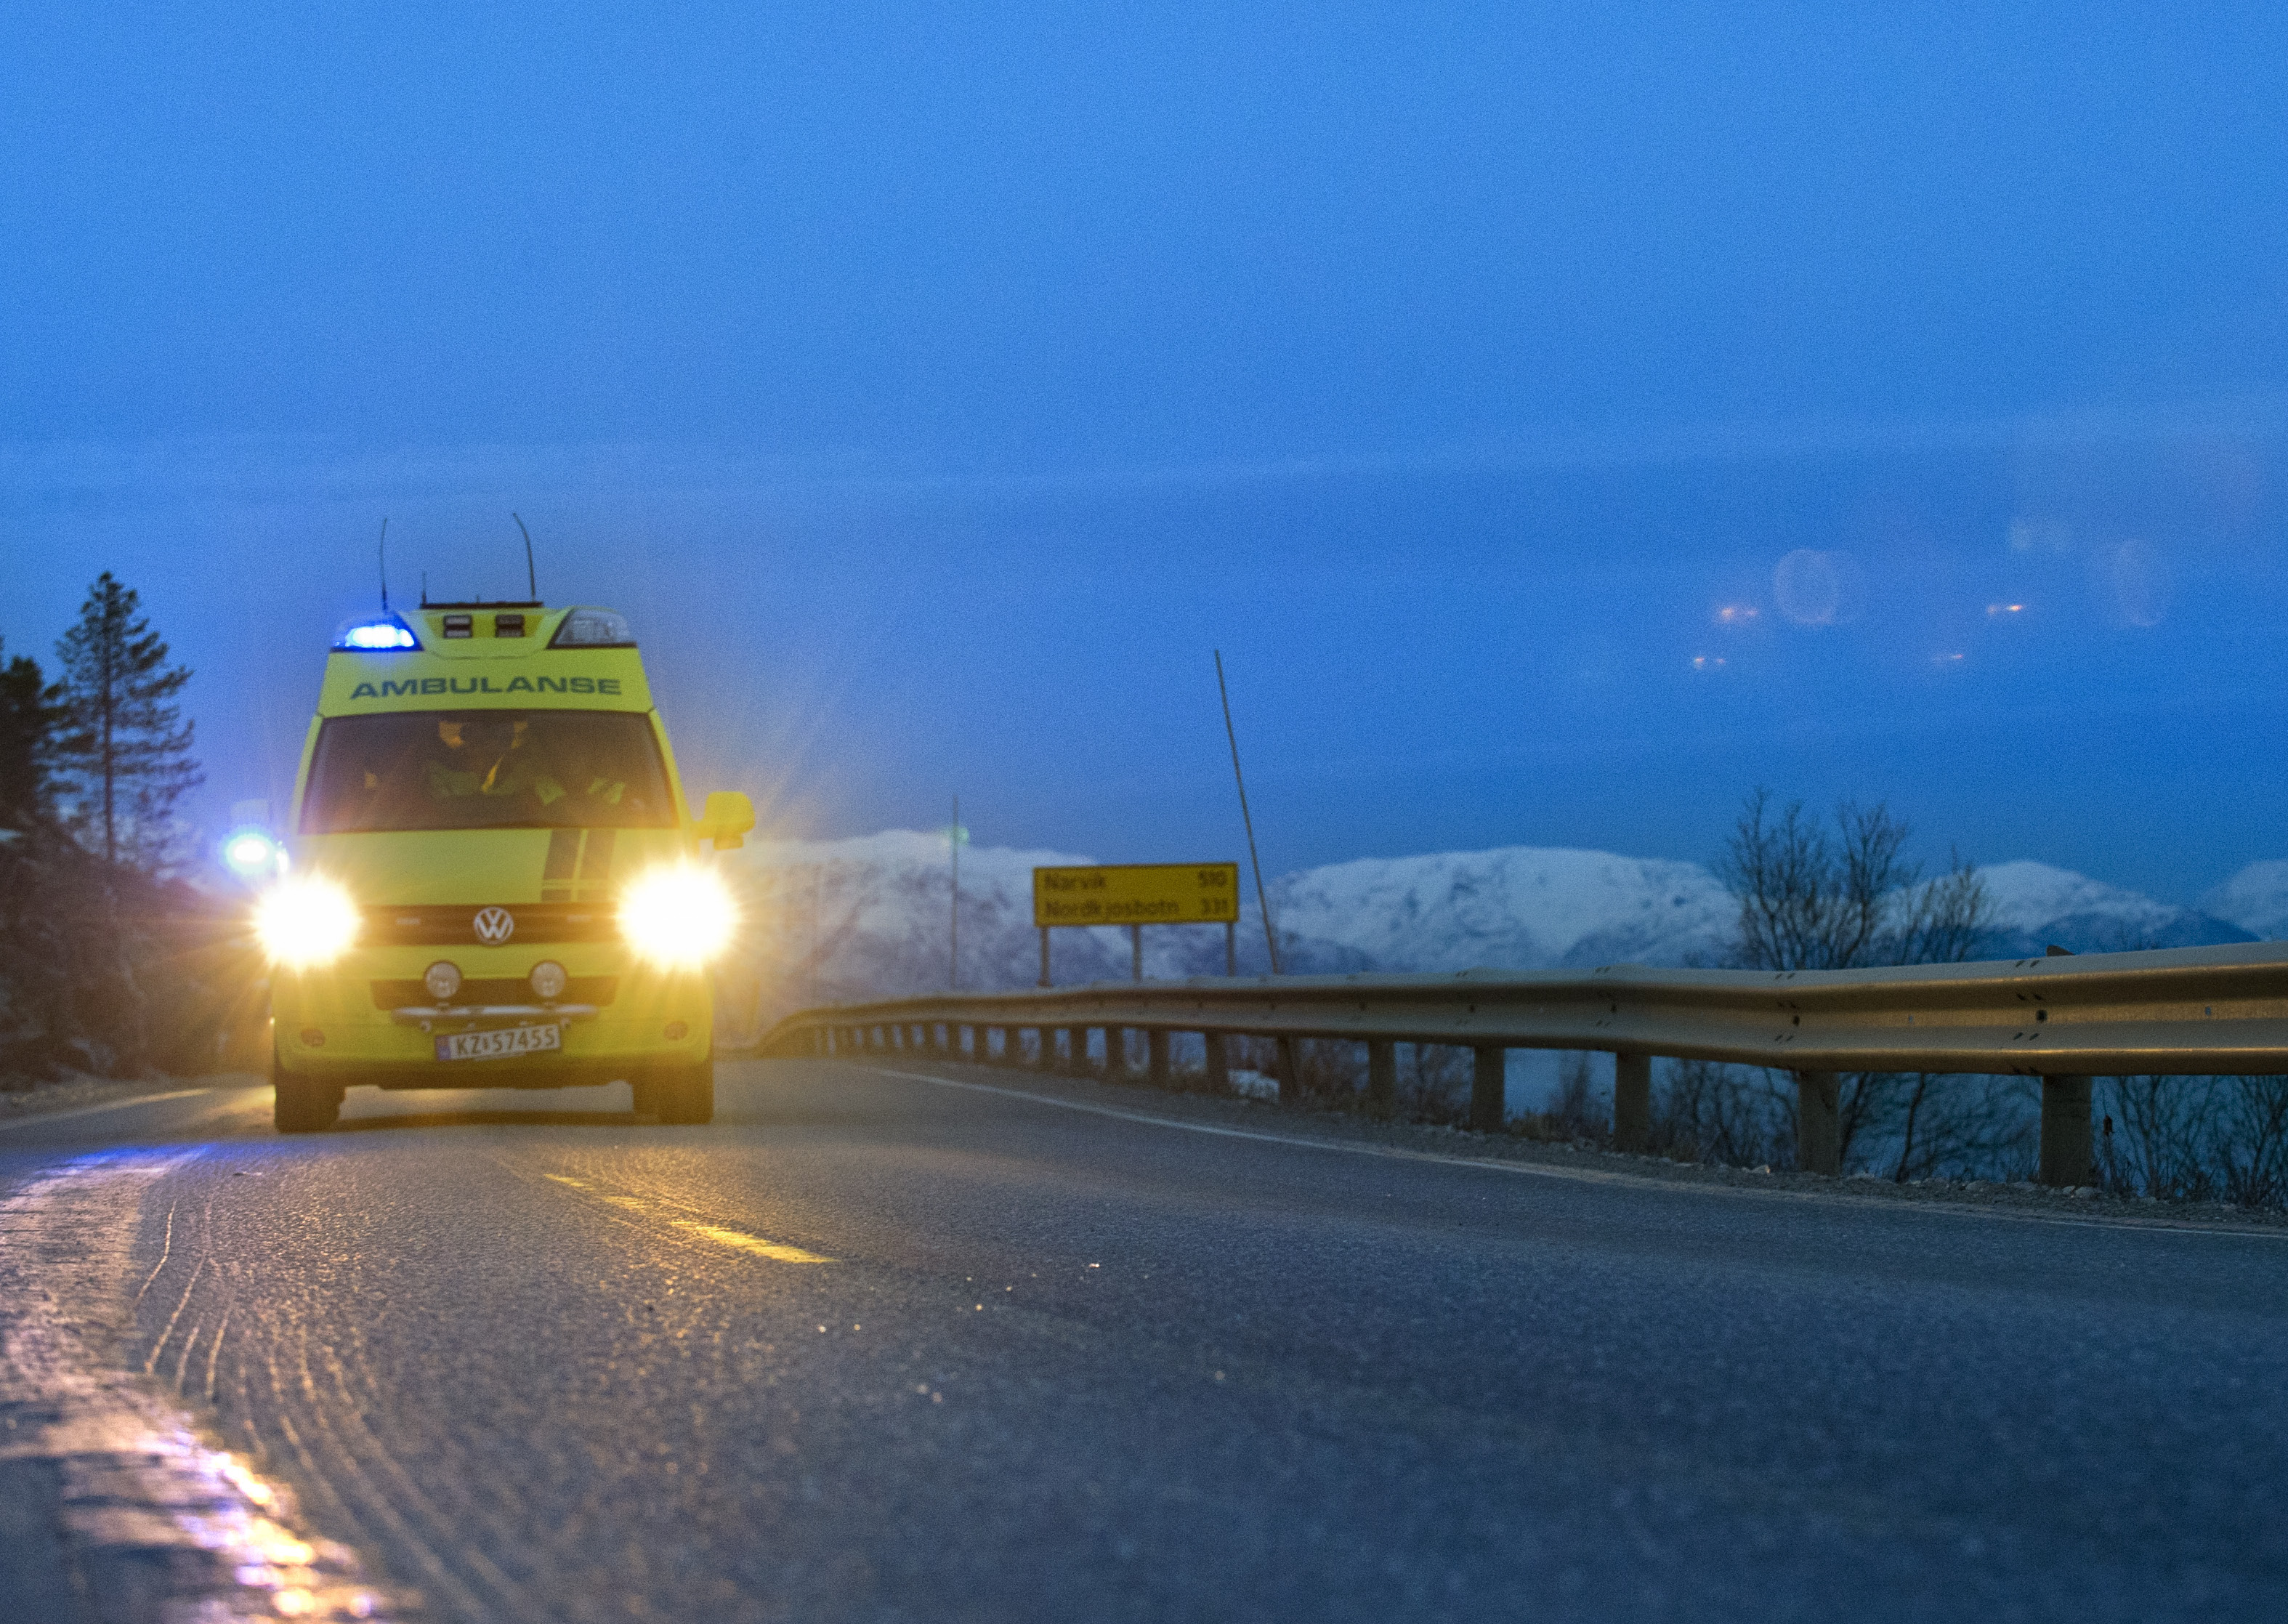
[{"x": 1562, "y": 423}]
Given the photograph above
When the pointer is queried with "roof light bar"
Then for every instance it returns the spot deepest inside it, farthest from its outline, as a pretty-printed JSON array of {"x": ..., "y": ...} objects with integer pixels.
[
  {"x": 593, "y": 628},
  {"x": 379, "y": 635}
]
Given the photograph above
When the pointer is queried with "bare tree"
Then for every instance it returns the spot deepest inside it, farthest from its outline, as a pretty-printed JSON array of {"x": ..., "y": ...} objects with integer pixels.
[{"x": 1821, "y": 895}]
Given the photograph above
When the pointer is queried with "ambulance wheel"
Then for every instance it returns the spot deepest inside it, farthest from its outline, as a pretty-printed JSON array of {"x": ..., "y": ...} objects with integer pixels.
[
  {"x": 302, "y": 1105},
  {"x": 686, "y": 1095}
]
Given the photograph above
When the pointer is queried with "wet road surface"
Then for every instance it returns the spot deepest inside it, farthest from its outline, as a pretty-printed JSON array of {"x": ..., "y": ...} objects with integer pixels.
[{"x": 874, "y": 1347}]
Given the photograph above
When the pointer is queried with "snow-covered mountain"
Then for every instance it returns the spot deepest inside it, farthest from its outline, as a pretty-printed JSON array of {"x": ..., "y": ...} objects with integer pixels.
[
  {"x": 2255, "y": 899},
  {"x": 835, "y": 920},
  {"x": 2035, "y": 904},
  {"x": 1518, "y": 907}
]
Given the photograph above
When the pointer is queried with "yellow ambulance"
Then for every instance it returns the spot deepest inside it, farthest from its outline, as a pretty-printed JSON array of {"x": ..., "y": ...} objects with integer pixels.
[{"x": 492, "y": 878}]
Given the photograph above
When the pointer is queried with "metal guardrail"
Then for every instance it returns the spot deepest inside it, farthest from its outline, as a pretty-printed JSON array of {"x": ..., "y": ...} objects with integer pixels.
[{"x": 2202, "y": 1010}]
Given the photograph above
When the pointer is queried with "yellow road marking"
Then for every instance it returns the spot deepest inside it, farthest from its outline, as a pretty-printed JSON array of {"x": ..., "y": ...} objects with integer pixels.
[
  {"x": 737, "y": 1238},
  {"x": 751, "y": 1243}
]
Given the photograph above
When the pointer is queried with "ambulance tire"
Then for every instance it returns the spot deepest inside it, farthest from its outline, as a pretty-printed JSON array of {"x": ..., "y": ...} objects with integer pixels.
[
  {"x": 302, "y": 1105},
  {"x": 685, "y": 1096}
]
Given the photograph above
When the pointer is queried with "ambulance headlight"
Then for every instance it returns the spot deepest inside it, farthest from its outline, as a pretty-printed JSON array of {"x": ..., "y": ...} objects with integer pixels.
[
  {"x": 305, "y": 923},
  {"x": 680, "y": 917}
]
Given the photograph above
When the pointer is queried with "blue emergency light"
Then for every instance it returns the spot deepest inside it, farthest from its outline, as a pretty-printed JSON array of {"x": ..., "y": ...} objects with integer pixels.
[{"x": 379, "y": 635}]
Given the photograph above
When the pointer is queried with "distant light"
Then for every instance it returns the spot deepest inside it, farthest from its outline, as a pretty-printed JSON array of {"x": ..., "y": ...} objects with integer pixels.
[
  {"x": 253, "y": 853},
  {"x": 1736, "y": 614},
  {"x": 250, "y": 854},
  {"x": 1946, "y": 659},
  {"x": 1707, "y": 662},
  {"x": 1997, "y": 609},
  {"x": 375, "y": 636}
]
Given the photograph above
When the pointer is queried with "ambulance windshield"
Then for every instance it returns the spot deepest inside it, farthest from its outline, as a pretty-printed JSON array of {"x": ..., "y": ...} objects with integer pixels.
[{"x": 486, "y": 770}]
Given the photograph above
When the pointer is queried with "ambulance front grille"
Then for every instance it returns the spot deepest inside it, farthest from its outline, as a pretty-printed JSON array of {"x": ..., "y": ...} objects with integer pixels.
[
  {"x": 496, "y": 990},
  {"x": 456, "y": 926}
]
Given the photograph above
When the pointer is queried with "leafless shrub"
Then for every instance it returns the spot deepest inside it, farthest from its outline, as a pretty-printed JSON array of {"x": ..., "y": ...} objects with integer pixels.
[
  {"x": 1954, "y": 1126},
  {"x": 2165, "y": 1144},
  {"x": 1578, "y": 1115},
  {"x": 1735, "y": 1115},
  {"x": 1433, "y": 1084},
  {"x": 2255, "y": 1151}
]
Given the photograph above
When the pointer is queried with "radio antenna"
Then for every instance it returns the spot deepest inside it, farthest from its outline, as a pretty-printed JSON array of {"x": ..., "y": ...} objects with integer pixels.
[
  {"x": 385, "y": 563},
  {"x": 531, "y": 581}
]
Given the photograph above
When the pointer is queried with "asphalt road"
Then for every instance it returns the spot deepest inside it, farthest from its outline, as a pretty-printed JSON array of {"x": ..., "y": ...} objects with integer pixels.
[{"x": 872, "y": 1347}]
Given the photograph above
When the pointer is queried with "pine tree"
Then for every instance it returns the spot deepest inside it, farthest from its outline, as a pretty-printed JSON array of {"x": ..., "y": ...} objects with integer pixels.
[
  {"x": 125, "y": 751},
  {"x": 28, "y": 725}
]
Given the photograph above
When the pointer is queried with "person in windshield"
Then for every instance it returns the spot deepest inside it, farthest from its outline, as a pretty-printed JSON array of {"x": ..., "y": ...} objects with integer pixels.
[{"x": 488, "y": 756}]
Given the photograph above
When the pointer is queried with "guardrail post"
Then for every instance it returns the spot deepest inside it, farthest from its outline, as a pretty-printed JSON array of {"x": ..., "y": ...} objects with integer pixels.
[
  {"x": 1076, "y": 1049},
  {"x": 1819, "y": 1133},
  {"x": 1116, "y": 1052},
  {"x": 1489, "y": 1088},
  {"x": 1047, "y": 1059},
  {"x": 1291, "y": 1071},
  {"x": 1632, "y": 1103},
  {"x": 1382, "y": 1077},
  {"x": 1156, "y": 1058},
  {"x": 1215, "y": 1065},
  {"x": 2068, "y": 1156}
]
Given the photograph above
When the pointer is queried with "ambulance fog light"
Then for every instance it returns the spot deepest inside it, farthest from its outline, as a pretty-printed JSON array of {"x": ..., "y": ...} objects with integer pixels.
[
  {"x": 548, "y": 980},
  {"x": 305, "y": 923},
  {"x": 679, "y": 917},
  {"x": 444, "y": 979}
]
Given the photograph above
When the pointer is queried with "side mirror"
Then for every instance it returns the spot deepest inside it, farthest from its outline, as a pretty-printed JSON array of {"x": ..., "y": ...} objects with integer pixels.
[{"x": 725, "y": 819}]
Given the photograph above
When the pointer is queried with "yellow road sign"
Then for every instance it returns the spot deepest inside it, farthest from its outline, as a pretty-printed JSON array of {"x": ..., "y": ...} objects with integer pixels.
[{"x": 1138, "y": 894}]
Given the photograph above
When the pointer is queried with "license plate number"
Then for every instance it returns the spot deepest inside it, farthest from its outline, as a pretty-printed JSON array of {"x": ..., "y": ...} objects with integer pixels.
[{"x": 500, "y": 1044}]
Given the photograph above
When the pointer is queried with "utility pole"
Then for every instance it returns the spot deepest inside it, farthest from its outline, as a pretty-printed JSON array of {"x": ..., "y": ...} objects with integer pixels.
[
  {"x": 953, "y": 947},
  {"x": 1271, "y": 938}
]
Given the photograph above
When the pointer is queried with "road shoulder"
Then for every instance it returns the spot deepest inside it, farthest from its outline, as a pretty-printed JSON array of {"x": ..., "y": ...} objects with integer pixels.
[{"x": 1349, "y": 1131}]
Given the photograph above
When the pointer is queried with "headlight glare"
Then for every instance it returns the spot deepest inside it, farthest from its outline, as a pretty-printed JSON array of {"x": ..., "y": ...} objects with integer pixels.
[
  {"x": 680, "y": 917},
  {"x": 305, "y": 923}
]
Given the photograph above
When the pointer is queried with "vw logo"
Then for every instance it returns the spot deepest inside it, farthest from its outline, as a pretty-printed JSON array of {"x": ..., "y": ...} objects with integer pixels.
[{"x": 495, "y": 925}]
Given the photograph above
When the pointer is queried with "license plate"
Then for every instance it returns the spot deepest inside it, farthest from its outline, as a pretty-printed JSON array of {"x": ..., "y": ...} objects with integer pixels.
[{"x": 500, "y": 1044}]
